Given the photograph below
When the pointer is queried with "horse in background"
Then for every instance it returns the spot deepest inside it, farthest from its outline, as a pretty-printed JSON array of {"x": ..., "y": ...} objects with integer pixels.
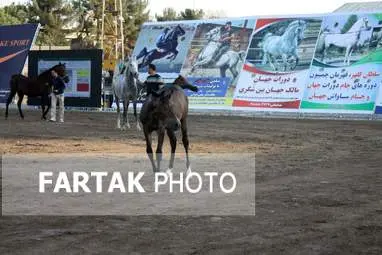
[
  {"x": 166, "y": 44},
  {"x": 284, "y": 46},
  {"x": 348, "y": 40},
  {"x": 228, "y": 60},
  {"x": 126, "y": 87},
  {"x": 166, "y": 112},
  {"x": 34, "y": 87}
]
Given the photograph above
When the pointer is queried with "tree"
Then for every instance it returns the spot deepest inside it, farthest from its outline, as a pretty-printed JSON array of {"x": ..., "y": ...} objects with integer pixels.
[
  {"x": 191, "y": 14},
  {"x": 214, "y": 14},
  {"x": 167, "y": 14},
  {"x": 7, "y": 19},
  {"x": 55, "y": 16},
  {"x": 18, "y": 11},
  {"x": 349, "y": 23},
  {"x": 134, "y": 14}
]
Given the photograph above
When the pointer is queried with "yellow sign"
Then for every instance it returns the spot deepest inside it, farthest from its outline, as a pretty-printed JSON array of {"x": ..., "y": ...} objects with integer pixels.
[{"x": 109, "y": 64}]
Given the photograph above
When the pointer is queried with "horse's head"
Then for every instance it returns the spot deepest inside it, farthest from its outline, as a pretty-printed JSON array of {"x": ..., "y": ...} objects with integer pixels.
[
  {"x": 132, "y": 66},
  {"x": 295, "y": 30},
  {"x": 60, "y": 69},
  {"x": 361, "y": 24},
  {"x": 213, "y": 34},
  {"x": 300, "y": 30},
  {"x": 179, "y": 30}
]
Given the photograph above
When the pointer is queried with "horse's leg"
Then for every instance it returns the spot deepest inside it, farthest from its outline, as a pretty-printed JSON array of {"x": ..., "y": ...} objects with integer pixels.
[
  {"x": 48, "y": 101},
  {"x": 297, "y": 61},
  {"x": 42, "y": 107},
  {"x": 223, "y": 69},
  {"x": 185, "y": 144},
  {"x": 118, "y": 113},
  {"x": 136, "y": 115},
  {"x": 234, "y": 72},
  {"x": 271, "y": 63},
  {"x": 172, "y": 137},
  {"x": 351, "y": 52},
  {"x": 325, "y": 60},
  {"x": 9, "y": 100},
  {"x": 285, "y": 61},
  {"x": 21, "y": 96},
  {"x": 175, "y": 54},
  {"x": 264, "y": 61},
  {"x": 158, "y": 152},
  {"x": 125, "y": 113},
  {"x": 149, "y": 149},
  {"x": 346, "y": 55}
]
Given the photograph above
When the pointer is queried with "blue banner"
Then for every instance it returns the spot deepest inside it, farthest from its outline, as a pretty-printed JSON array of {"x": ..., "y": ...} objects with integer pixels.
[
  {"x": 15, "y": 43},
  {"x": 209, "y": 86}
]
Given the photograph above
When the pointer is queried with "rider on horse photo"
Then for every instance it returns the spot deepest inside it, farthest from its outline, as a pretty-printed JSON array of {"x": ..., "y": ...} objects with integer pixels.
[
  {"x": 165, "y": 46},
  {"x": 226, "y": 36}
]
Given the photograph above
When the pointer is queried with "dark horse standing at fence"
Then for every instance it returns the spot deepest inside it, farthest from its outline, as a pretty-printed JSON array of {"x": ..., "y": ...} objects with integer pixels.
[
  {"x": 166, "y": 44},
  {"x": 166, "y": 111},
  {"x": 38, "y": 87}
]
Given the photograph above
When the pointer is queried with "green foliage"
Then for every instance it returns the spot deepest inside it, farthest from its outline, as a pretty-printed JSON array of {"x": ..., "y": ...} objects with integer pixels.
[
  {"x": 167, "y": 14},
  {"x": 349, "y": 23},
  {"x": 190, "y": 14},
  {"x": 7, "y": 19},
  {"x": 187, "y": 14}
]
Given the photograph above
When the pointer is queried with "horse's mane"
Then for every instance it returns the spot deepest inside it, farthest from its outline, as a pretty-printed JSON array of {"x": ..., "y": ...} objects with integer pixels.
[{"x": 47, "y": 72}]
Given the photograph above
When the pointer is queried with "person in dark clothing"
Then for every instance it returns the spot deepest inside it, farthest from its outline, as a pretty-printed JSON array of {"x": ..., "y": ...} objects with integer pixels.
[
  {"x": 57, "y": 95},
  {"x": 153, "y": 82},
  {"x": 226, "y": 36}
]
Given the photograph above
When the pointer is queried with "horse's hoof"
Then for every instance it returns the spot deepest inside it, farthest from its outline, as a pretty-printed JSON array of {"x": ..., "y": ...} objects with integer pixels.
[
  {"x": 188, "y": 171},
  {"x": 169, "y": 171}
]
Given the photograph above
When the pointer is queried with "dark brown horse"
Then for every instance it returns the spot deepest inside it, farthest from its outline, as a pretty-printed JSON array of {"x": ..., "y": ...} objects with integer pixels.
[
  {"x": 34, "y": 87},
  {"x": 166, "y": 111}
]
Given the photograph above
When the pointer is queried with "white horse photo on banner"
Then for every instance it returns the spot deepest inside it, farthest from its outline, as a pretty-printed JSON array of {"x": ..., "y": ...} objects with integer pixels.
[
  {"x": 348, "y": 40},
  {"x": 284, "y": 46},
  {"x": 277, "y": 64}
]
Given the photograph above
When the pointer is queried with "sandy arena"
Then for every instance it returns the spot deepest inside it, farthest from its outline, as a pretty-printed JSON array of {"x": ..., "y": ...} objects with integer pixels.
[{"x": 318, "y": 189}]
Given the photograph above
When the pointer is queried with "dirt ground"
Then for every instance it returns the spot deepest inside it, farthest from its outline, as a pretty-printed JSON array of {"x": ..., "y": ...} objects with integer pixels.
[{"x": 318, "y": 189}]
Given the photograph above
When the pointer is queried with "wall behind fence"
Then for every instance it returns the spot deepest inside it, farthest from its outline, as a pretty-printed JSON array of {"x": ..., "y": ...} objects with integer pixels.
[{"x": 327, "y": 64}]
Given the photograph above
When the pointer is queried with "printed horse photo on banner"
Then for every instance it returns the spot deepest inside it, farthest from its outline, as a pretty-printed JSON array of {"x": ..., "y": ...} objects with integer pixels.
[
  {"x": 218, "y": 49},
  {"x": 283, "y": 45},
  {"x": 164, "y": 45},
  {"x": 277, "y": 64},
  {"x": 346, "y": 39}
]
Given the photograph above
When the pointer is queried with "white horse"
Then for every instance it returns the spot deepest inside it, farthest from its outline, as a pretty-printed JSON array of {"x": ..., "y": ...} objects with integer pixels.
[
  {"x": 348, "y": 40},
  {"x": 125, "y": 87},
  {"x": 228, "y": 60},
  {"x": 285, "y": 45}
]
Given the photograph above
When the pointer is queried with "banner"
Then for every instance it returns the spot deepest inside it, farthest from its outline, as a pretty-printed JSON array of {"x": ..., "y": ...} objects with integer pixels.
[
  {"x": 327, "y": 64},
  {"x": 15, "y": 43},
  {"x": 217, "y": 54},
  {"x": 165, "y": 45},
  {"x": 212, "y": 91},
  {"x": 79, "y": 72},
  {"x": 378, "y": 104},
  {"x": 346, "y": 71},
  {"x": 277, "y": 64}
]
